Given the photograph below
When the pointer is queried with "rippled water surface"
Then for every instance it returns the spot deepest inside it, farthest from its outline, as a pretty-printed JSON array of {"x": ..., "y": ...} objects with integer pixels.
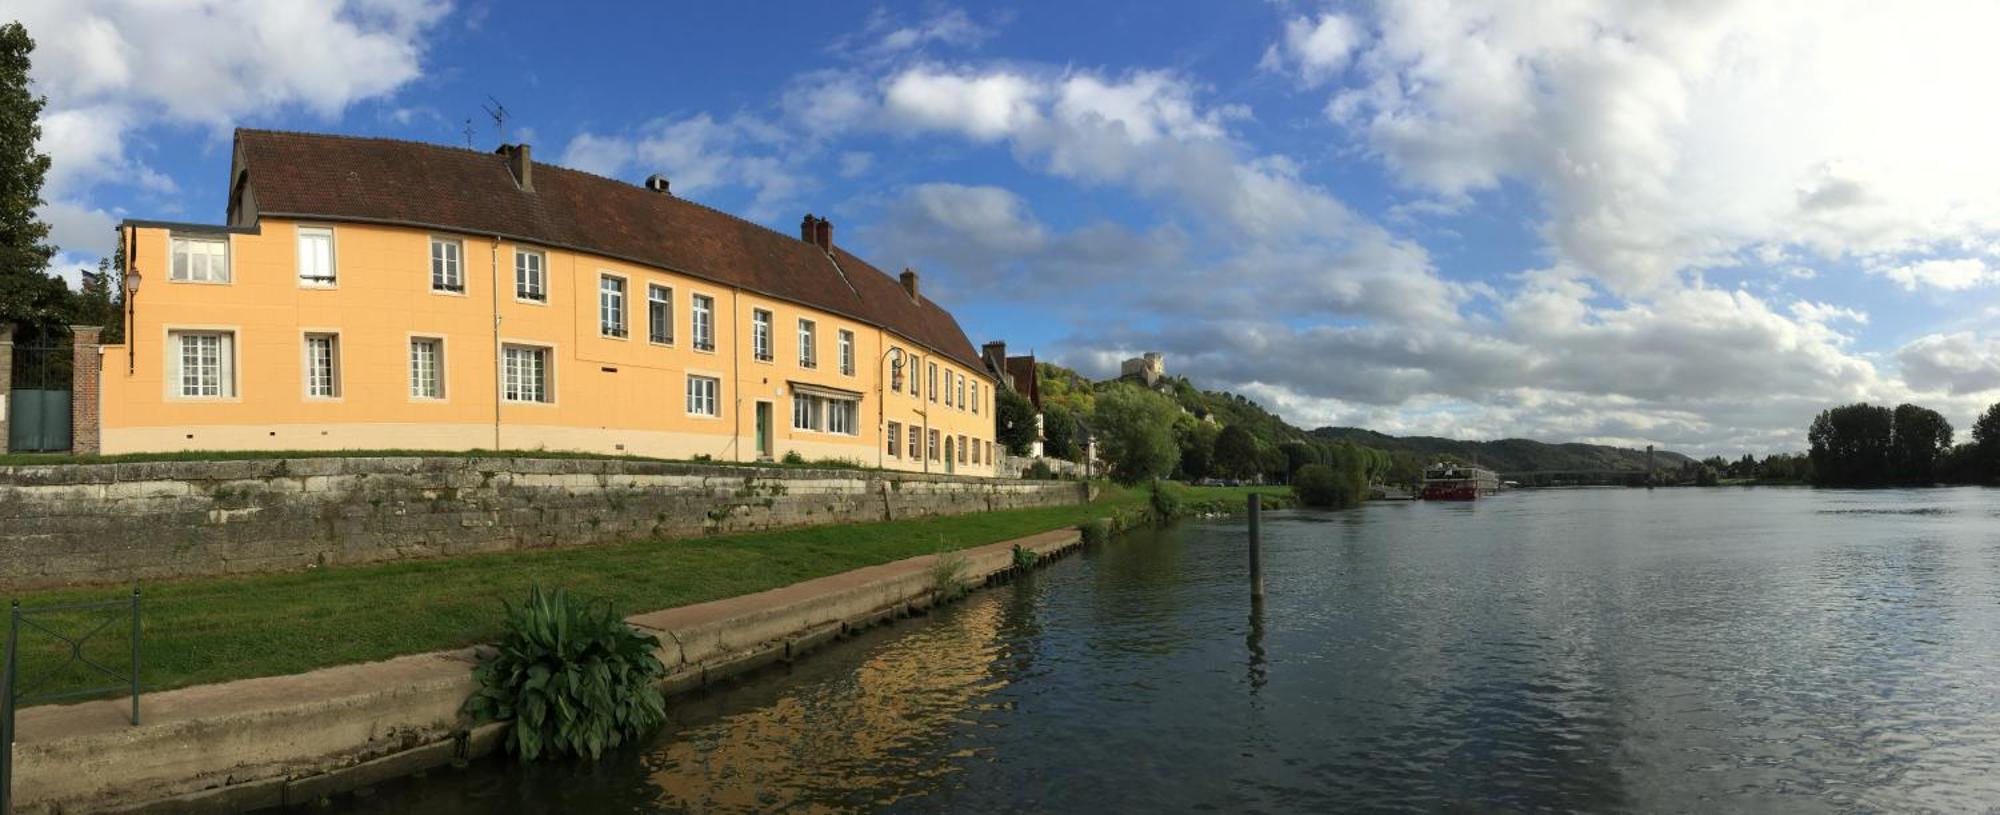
[{"x": 1601, "y": 650}]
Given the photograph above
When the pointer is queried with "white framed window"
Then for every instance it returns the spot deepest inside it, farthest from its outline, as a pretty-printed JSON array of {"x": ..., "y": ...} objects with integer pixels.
[
  {"x": 808, "y": 344},
  {"x": 200, "y": 259},
  {"x": 316, "y": 266},
  {"x": 961, "y": 448},
  {"x": 426, "y": 368},
  {"x": 895, "y": 437},
  {"x": 703, "y": 396},
  {"x": 447, "y": 266},
  {"x": 659, "y": 314},
  {"x": 525, "y": 374},
  {"x": 961, "y": 391},
  {"x": 760, "y": 334},
  {"x": 805, "y": 412},
  {"x": 949, "y": 378},
  {"x": 826, "y": 414},
  {"x": 842, "y": 416},
  {"x": 611, "y": 305},
  {"x": 975, "y": 398},
  {"x": 975, "y": 451},
  {"x": 916, "y": 378},
  {"x": 701, "y": 321},
  {"x": 846, "y": 352},
  {"x": 202, "y": 364},
  {"x": 916, "y": 444},
  {"x": 934, "y": 383},
  {"x": 896, "y": 369},
  {"x": 934, "y": 451},
  {"x": 531, "y": 276},
  {"x": 322, "y": 364}
]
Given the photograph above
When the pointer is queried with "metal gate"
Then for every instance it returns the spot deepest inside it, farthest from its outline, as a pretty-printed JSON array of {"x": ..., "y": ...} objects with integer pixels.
[{"x": 38, "y": 408}]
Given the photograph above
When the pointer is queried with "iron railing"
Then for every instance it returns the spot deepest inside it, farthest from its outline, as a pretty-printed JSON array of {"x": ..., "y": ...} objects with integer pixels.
[{"x": 14, "y": 692}]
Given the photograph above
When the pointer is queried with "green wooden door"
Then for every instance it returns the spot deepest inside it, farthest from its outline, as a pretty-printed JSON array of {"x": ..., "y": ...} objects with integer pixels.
[{"x": 38, "y": 421}]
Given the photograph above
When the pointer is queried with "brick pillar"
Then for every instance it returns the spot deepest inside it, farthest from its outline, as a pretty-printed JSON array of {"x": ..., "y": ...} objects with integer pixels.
[
  {"x": 87, "y": 375},
  {"x": 6, "y": 379}
]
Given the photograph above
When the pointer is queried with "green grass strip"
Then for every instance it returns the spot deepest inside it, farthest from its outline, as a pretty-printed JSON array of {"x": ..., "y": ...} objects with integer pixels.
[{"x": 220, "y": 629}]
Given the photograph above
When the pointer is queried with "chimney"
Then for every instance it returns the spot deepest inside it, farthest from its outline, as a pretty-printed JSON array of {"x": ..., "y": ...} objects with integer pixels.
[
  {"x": 658, "y": 183},
  {"x": 995, "y": 353},
  {"x": 521, "y": 163},
  {"x": 910, "y": 282},
  {"x": 806, "y": 229},
  {"x": 823, "y": 234}
]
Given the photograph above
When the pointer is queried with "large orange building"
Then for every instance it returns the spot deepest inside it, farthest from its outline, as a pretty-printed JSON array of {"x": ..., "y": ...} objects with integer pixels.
[{"x": 372, "y": 294}]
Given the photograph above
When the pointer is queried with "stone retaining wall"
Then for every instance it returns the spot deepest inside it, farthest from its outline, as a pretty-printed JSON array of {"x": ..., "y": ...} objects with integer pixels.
[{"x": 96, "y": 523}]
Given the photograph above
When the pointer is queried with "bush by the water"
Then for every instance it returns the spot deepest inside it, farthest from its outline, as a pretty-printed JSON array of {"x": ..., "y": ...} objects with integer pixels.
[
  {"x": 1025, "y": 558},
  {"x": 1317, "y": 485},
  {"x": 1095, "y": 532},
  {"x": 573, "y": 676},
  {"x": 1165, "y": 504}
]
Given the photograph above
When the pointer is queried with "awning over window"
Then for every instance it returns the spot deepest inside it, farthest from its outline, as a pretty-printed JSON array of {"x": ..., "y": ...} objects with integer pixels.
[{"x": 810, "y": 389}]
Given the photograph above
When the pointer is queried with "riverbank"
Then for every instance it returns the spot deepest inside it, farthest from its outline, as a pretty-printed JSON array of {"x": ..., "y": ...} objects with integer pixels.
[{"x": 289, "y": 739}]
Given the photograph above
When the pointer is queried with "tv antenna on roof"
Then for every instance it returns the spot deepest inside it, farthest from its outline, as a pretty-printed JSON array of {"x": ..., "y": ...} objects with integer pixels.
[
  {"x": 498, "y": 113},
  {"x": 468, "y": 133}
]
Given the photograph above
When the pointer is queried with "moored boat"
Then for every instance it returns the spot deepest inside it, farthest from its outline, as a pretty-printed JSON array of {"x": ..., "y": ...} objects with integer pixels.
[{"x": 1458, "y": 482}]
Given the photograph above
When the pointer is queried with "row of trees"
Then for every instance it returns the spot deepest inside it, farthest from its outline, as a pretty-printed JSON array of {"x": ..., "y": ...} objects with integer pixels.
[{"x": 1864, "y": 445}]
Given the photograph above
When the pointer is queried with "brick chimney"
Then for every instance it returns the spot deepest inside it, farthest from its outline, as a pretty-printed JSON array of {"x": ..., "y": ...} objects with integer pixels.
[
  {"x": 521, "y": 163},
  {"x": 823, "y": 234},
  {"x": 806, "y": 229},
  {"x": 910, "y": 282}
]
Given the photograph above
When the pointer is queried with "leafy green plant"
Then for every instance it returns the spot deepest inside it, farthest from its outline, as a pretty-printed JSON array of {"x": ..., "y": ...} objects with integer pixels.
[
  {"x": 575, "y": 679},
  {"x": 793, "y": 457},
  {"x": 1095, "y": 532},
  {"x": 948, "y": 576},
  {"x": 1039, "y": 471},
  {"x": 1025, "y": 558}
]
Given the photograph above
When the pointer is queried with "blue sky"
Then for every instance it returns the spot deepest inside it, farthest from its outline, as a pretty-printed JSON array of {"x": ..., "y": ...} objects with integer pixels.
[{"x": 1692, "y": 225}]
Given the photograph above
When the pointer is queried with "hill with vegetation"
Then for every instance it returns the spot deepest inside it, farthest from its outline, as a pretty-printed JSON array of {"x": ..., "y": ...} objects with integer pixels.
[
  {"x": 1395, "y": 459},
  {"x": 1511, "y": 455}
]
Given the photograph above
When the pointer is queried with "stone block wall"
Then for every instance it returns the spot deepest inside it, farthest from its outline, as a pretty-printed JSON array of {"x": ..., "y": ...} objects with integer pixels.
[{"x": 74, "y": 524}]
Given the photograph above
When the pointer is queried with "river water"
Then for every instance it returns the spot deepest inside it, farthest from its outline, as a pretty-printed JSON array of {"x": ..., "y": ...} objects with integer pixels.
[{"x": 1601, "y": 650}]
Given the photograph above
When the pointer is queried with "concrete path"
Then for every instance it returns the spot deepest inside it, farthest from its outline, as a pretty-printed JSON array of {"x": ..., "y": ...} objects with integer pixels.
[{"x": 293, "y": 739}]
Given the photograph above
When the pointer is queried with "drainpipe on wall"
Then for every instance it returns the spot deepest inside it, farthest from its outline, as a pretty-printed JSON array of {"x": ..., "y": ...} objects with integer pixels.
[
  {"x": 499, "y": 365},
  {"x": 736, "y": 376}
]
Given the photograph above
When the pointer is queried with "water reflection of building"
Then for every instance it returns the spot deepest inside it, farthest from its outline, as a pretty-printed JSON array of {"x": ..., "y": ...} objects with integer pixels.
[{"x": 863, "y": 740}]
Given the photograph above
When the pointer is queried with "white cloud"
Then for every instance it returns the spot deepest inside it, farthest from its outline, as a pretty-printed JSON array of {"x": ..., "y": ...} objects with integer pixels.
[
  {"x": 1944, "y": 275},
  {"x": 984, "y": 106},
  {"x": 1316, "y": 49},
  {"x": 1665, "y": 137},
  {"x": 1957, "y": 363},
  {"x": 700, "y": 154},
  {"x": 947, "y": 27}
]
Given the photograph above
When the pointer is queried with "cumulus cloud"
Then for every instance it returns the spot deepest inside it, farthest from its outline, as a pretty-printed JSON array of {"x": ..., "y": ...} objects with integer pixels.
[
  {"x": 1943, "y": 275},
  {"x": 700, "y": 154},
  {"x": 1315, "y": 48},
  {"x": 1665, "y": 137},
  {"x": 1957, "y": 363}
]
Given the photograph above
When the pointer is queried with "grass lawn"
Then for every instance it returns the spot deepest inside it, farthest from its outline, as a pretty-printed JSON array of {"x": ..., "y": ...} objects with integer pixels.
[{"x": 218, "y": 629}]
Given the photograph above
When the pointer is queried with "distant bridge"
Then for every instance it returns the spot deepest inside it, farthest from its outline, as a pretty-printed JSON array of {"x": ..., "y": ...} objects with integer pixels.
[{"x": 1571, "y": 475}]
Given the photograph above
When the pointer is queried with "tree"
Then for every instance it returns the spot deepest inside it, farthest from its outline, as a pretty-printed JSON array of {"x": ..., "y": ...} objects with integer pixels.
[
  {"x": 1197, "y": 445},
  {"x": 1851, "y": 445},
  {"x": 1236, "y": 452},
  {"x": 1059, "y": 433},
  {"x": 1920, "y": 438},
  {"x": 1317, "y": 485},
  {"x": 1984, "y": 459},
  {"x": 1133, "y": 428},
  {"x": 1014, "y": 422},
  {"x": 29, "y": 295}
]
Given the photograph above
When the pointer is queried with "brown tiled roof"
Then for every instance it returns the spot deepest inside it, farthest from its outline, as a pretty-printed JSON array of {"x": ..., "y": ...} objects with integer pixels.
[
  {"x": 388, "y": 181},
  {"x": 1022, "y": 371}
]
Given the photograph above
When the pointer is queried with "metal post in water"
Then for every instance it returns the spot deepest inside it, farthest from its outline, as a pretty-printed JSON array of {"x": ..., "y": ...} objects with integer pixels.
[
  {"x": 135, "y": 656},
  {"x": 1256, "y": 544},
  {"x": 7, "y": 712}
]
